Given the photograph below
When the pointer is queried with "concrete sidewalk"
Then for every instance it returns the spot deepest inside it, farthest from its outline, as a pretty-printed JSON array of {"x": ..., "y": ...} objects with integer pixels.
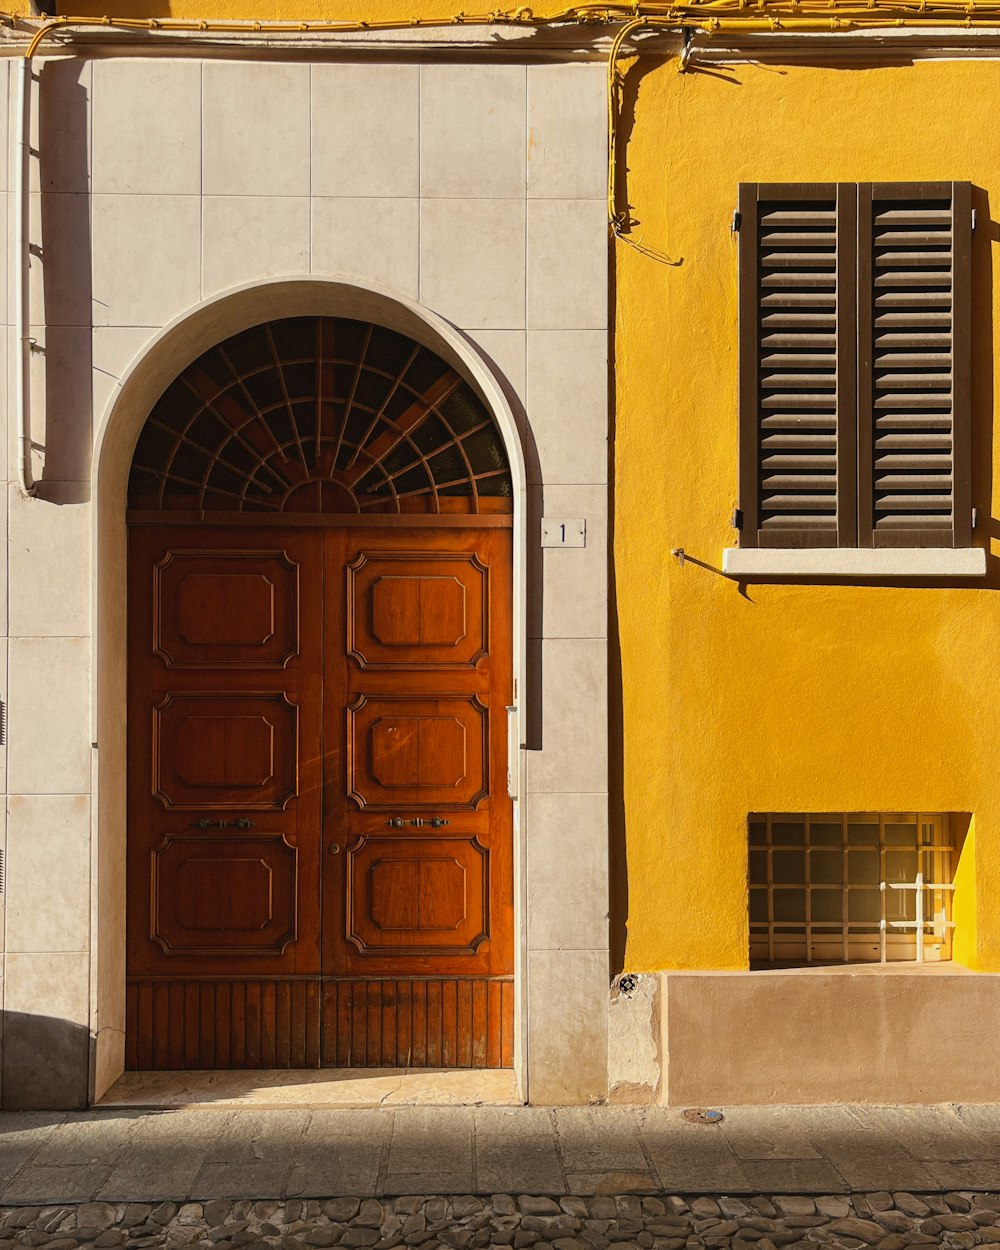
[{"x": 203, "y": 1153}]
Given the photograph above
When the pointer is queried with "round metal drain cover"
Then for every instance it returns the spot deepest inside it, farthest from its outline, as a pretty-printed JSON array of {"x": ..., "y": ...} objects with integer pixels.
[{"x": 702, "y": 1115}]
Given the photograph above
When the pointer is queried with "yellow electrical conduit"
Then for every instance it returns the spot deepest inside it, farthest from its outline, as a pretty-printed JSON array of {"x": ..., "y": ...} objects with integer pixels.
[
  {"x": 618, "y": 219},
  {"x": 707, "y": 17}
]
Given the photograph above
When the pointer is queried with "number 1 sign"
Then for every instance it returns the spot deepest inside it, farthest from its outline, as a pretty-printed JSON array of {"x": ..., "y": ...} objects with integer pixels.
[{"x": 560, "y": 532}]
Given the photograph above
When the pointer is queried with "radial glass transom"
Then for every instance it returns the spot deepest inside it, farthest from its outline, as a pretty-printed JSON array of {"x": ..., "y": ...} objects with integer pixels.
[{"x": 320, "y": 415}]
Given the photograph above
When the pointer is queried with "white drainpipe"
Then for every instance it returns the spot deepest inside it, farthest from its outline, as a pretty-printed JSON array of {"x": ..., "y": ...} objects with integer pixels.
[{"x": 22, "y": 299}]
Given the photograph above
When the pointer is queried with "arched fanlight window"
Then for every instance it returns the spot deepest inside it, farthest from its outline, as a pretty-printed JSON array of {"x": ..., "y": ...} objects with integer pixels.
[{"x": 320, "y": 414}]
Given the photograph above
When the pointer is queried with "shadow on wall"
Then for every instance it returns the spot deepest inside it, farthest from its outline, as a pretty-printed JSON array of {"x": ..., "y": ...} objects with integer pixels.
[
  {"x": 46, "y": 1058},
  {"x": 532, "y": 694},
  {"x": 534, "y": 581},
  {"x": 131, "y": 8},
  {"x": 45, "y": 1063},
  {"x": 61, "y": 293},
  {"x": 617, "y": 844},
  {"x": 987, "y": 233}
]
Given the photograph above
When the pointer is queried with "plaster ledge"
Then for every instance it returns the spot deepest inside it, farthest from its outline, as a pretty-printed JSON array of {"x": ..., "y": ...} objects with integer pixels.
[{"x": 854, "y": 562}]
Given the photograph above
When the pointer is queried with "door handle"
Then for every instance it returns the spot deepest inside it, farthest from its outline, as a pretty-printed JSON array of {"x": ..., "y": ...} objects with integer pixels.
[
  {"x": 513, "y": 753},
  {"x": 242, "y": 822},
  {"x": 397, "y": 822}
]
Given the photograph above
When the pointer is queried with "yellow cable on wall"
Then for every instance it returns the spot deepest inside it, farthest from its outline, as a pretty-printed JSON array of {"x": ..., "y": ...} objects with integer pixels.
[{"x": 705, "y": 17}]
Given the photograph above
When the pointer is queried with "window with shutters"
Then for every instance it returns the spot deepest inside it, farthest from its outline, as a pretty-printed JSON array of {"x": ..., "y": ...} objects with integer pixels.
[{"x": 855, "y": 312}]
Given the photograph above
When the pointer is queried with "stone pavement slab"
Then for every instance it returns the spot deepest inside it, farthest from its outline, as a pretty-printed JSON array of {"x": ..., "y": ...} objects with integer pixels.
[
  {"x": 808, "y": 1176},
  {"x": 516, "y": 1149},
  {"x": 983, "y": 1120},
  {"x": 875, "y": 1160},
  {"x": 431, "y": 1151},
  {"x": 770, "y": 1133},
  {"x": 22, "y": 1134},
  {"x": 686, "y": 1158},
  {"x": 227, "y": 1153},
  {"x": 340, "y": 1154},
  {"x": 602, "y": 1151},
  {"x": 929, "y": 1133},
  {"x": 165, "y": 1152}
]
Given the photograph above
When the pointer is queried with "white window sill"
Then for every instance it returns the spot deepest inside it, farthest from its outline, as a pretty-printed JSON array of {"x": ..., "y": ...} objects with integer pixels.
[{"x": 854, "y": 562}]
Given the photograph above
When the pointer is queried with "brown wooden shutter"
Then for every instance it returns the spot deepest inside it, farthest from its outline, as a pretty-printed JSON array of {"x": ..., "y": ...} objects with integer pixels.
[
  {"x": 798, "y": 458},
  {"x": 914, "y": 310}
]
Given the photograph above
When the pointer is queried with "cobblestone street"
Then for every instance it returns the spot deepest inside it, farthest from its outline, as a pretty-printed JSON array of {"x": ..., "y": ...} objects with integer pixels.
[{"x": 886, "y": 1221}]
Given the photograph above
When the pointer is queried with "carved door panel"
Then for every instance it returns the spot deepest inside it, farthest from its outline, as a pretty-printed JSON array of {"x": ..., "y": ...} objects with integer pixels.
[
  {"x": 225, "y": 798},
  {"x": 420, "y": 957}
]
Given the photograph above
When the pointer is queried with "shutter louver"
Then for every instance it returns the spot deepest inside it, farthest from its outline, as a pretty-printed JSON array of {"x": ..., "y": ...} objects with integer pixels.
[
  {"x": 797, "y": 331},
  {"x": 913, "y": 379}
]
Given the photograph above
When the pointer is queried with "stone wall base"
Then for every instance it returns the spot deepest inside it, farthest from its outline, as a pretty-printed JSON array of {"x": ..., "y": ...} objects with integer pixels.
[{"x": 895, "y": 1034}]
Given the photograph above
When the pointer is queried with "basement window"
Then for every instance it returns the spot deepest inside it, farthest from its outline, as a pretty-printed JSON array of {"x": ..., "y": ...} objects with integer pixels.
[{"x": 850, "y": 887}]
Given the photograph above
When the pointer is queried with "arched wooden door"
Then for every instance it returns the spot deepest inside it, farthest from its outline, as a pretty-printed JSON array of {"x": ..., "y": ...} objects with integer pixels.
[{"x": 319, "y": 834}]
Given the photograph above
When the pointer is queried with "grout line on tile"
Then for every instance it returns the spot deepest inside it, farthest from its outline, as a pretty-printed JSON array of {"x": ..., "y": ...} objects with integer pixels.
[
  {"x": 385, "y": 1150},
  {"x": 201, "y": 176},
  {"x": 643, "y": 1146},
  {"x": 420, "y": 184},
  {"x": 524, "y": 201}
]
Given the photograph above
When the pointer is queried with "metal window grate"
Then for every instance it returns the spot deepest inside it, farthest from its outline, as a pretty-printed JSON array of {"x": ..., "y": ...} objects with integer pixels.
[{"x": 850, "y": 887}]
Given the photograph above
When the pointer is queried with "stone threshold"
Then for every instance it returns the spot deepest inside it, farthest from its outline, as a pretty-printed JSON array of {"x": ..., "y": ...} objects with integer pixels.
[{"x": 312, "y": 1089}]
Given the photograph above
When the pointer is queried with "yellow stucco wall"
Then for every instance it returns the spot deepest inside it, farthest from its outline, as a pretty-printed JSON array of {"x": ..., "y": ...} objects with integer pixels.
[
  {"x": 781, "y": 697},
  {"x": 766, "y": 697},
  {"x": 272, "y": 10}
]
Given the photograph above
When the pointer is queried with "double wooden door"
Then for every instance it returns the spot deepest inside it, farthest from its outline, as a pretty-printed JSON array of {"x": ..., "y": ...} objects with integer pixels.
[{"x": 319, "y": 833}]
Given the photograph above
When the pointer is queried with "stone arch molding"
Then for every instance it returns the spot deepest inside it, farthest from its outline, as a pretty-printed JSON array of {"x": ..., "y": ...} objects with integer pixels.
[
  {"x": 194, "y": 332},
  {"x": 161, "y": 360}
]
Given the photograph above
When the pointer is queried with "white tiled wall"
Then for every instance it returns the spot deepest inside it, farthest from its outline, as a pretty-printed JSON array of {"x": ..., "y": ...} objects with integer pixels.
[
  {"x": 477, "y": 189},
  {"x": 366, "y": 131},
  {"x": 47, "y": 617}
]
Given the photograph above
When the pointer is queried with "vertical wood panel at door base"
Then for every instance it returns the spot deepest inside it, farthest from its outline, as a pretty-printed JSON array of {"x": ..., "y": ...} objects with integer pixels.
[
  {"x": 419, "y": 1022},
  {"x": 319, "y": 856}
]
